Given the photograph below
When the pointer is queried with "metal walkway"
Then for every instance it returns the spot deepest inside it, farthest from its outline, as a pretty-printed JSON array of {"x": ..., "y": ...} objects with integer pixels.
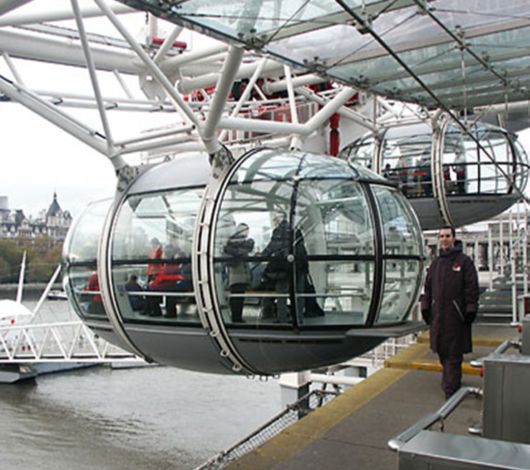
[
  {"x": 66, "y": 341},
  {"x": 353, "y": 430}
]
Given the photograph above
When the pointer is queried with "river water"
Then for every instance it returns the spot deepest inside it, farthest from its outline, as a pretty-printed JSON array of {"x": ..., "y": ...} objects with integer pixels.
[{"x": 142, "y": 418}]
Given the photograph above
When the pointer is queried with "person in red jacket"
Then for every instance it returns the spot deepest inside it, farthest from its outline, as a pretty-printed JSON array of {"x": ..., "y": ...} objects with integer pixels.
[
  {"x": 95, "y": 305},
  {"x": 449, "y": 306},
  {"x": 156, "y": 253},
  {"x": 174, "y": 276}
]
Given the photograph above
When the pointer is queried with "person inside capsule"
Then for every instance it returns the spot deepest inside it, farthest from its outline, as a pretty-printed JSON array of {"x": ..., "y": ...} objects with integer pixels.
[
  {"x": 172, "y": 277},
  {"x": 276, "y": 276},
  {"x": 238, "y": 247},
  {"x": 459, "y": 168}
]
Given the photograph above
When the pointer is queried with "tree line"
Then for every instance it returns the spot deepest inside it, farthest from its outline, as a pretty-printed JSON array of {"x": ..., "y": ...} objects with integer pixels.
[{"x": 43, "y": 255}]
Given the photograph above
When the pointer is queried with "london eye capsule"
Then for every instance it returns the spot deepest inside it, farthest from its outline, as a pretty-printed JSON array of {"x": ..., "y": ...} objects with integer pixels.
[
  {"x": 287, "y": 261},
  {"x": 449, "y": 176}
]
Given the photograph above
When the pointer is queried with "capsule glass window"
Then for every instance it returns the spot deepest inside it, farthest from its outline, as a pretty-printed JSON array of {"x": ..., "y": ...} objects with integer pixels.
[
  {"x": 151, "y": 256},
  {"x": 294, "y": 247},
  {"x": 80, "y": 258}
]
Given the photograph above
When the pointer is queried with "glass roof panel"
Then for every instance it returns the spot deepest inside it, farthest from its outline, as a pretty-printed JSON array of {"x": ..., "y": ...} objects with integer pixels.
[{"x": 387, "y": 47}]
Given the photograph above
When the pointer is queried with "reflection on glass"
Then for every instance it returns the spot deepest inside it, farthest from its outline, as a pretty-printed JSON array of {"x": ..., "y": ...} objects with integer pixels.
[
  {"x": 485, "y": 167},
  {"x": 268, "y": 231},
  {"x": 151, "y": 246},
  {"x": 402, "y": 237},
  {"x": 489, "y": 161},
  {"x": 401, "y": 280},
  {"x": 343, "y": 289},
  {"x": 83, "y": 238},
  {"x": 84, "y": 285},
  {"x": 80, "y": 253}
]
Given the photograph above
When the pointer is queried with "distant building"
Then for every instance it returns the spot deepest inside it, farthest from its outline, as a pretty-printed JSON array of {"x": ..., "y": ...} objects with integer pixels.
[{"x": 53, "y": 222}]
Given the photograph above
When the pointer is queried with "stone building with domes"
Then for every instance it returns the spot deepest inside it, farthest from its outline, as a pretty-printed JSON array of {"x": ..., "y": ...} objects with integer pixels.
[{"x": 52, "y": 222}]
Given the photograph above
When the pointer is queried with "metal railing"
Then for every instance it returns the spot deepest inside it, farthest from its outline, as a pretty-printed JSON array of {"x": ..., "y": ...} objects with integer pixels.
[
  {"x": 440, "y": 415},
  {"x": 66, "y": 341},
  {"x": 500, "y": 349},
  {"x": 294, "y": 412}
]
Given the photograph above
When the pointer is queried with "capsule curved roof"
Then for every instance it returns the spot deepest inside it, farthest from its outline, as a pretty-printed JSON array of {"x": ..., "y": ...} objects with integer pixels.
[
  {"x": 181, "y": 172},
  {"x": 440, "y": 53}
]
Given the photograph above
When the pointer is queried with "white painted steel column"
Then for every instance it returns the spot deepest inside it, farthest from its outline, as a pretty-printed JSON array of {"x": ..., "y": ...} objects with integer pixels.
[
  {"x": 290, "y": 94},
  {"x": 258, "y": 125},
  {"x": 245, "y": 71},
  {"x": 167, "y": 44},
  {"x": 12, "y": 68},
  {"x": 512, "y": 253},
  {"x": 490, "y": 255},
  {"x": 301, "y": 80},
  {"x": 172, "y": 64},
  {"x": 294, "y": 385},
  {"x": 122, "y": 83},
  {"x": 348, "y": 113},
  {"x": 222, "y": 90},
  {"x": 501, "y": 241},
  {"x": 117, "y": 161},
  {"x": 296, "y": 143},
  {"x": 328, "y": 110},
  {"x": 180, "y": 104},
  {"x": 54, "y": 115},
  {"x": 525, "y": 249},
  {"x": 19, "y": 19},
  {"x": 245, "y": 95}
]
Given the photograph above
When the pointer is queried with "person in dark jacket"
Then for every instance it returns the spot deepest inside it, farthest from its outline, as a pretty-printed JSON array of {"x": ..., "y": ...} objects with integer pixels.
[
  {"x": 238, "y": 246},
  {"x": 137, "y": 302},
  {"x": 449, "y": 306},
  {"x": 276, "y": 275}
]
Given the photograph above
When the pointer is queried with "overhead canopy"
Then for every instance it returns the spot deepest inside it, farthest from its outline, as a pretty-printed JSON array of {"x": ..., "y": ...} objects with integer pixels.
[{"x": 443, "y": 53}]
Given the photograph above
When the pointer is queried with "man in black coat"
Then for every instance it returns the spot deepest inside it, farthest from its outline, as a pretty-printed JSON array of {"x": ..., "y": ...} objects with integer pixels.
[
  {"x": 449, "y": 306},
  {"x": 277, "y": 274}
]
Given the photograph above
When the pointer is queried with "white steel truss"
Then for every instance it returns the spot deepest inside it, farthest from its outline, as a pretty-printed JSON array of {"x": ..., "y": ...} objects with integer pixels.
[{"x": 66, "y": 341}]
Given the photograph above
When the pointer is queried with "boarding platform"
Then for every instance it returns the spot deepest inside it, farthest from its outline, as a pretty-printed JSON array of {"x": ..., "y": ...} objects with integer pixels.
[{"x": 354, "y": 430}]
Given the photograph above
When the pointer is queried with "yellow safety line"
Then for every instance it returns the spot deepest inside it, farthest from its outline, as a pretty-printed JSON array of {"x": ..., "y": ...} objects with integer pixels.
[
  {"x": 298, "y": 436},
  {"x": 477, "y": 340}
]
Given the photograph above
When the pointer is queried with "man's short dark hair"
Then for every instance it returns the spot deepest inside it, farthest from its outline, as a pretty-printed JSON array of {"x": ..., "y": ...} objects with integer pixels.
[{"x": 449, "y": 227}]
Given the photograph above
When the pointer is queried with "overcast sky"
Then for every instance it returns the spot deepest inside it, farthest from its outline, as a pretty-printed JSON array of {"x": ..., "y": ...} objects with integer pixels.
[{"x": 38, "y": 159}]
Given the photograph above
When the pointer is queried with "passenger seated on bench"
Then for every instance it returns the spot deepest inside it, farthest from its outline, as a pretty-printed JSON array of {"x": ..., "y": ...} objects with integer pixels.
[
  {"x": 172, "y": 277},
  {"x": 95, "y": 302},
  {"x": 238, "y": 246},
  {"x": 137, "y": 301}
]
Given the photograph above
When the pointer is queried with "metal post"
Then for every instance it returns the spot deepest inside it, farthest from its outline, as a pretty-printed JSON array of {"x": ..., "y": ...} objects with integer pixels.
[
  {"x": 290, "y": 94},
  {"x": 12, "y": 67},
  {"x": 501, "y": 242},
  {"x": 54, "y": 15},
  {"x": 169, "y": 65},
  {"x": 328, "y": 110},
  {"x": 222, "y": 90},
  {"x": 490, "y": 255},
  {"x": 245, "y": 95},
  {"x": 180, "y": 104},
  {"x": 167, "y": 44},
  {"x": 512, "y": 254},
  {"x": 348, "y": 113},
  {"x": 525, "y": 249},
  {"x": 54, "y": 115},
  {"x": 117, "y": 162}
]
